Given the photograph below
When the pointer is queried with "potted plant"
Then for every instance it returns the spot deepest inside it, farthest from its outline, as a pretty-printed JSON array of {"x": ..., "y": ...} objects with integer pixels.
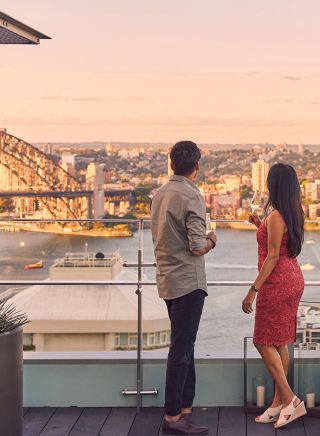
[{"x": 11, "y": 369}]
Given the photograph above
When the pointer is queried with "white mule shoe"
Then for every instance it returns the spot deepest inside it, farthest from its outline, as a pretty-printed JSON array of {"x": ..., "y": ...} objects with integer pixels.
[
  {"x": 269, "y": 415},
  {"x": 291, "y": 413}
]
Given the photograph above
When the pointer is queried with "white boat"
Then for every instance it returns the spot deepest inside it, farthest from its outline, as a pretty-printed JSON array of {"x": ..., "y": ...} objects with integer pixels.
[
  {"x": 307, "y": 267},
  {"x": 310, "y": 242}
]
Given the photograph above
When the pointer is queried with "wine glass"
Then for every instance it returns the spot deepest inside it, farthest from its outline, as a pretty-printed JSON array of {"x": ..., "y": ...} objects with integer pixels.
[{"x": 255, "y": 203}]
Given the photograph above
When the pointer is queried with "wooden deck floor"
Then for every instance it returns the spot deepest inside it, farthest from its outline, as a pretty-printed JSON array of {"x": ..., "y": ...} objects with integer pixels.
[{"x": 223, "y": 421}]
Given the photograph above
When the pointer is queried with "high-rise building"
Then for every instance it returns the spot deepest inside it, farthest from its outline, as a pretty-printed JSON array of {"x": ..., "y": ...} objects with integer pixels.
[
  {"x": 95, "y": 182},
  {"x": 260, "y": 171},
  {"x": 170, "y": 170},
  {"x": 301, "y": 148},
  {"x": 109, "y": 149},
  {"x": 48, "y": 148}
]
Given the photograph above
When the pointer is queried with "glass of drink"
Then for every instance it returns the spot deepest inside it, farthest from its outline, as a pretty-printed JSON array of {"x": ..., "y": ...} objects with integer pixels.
[{"x": 256, "y": 203}]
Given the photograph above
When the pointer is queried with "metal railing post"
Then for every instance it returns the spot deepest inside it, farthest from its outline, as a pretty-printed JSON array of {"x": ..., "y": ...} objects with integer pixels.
[
  {"x": 291, "y": 366},
  {"x": 139, "y": 344}
]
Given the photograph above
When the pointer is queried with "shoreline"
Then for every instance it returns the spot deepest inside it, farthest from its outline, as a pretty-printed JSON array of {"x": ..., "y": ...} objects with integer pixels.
[
  {"x": 108, "y": 233},
  {"x": 122, "y": 233},
  {"x": 251, "y": 227}
]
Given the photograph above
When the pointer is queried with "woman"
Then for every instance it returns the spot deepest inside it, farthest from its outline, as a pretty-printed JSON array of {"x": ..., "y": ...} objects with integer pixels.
[{"x": 279, "y": 287}]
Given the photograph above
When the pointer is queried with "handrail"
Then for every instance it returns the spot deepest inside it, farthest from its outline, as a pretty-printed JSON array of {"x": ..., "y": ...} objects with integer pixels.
[
  {"x": 128, "y": 283},
  {"x": 116, "y": 220}
]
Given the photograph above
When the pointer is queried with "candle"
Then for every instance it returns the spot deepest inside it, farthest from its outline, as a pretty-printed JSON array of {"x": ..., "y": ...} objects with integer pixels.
[
  {"x": 311, "y": 400},
  {"x": 261, "y": 391}
]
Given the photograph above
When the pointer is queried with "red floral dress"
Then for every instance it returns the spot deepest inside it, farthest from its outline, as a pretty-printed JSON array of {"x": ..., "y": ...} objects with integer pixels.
[{"x": 279, "y": 297}]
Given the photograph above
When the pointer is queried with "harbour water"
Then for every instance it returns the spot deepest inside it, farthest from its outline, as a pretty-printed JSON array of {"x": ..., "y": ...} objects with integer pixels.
[{"x": 223, "y": 324}]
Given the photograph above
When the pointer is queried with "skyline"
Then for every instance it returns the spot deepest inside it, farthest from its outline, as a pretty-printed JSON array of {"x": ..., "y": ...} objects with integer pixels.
[{"x": 221, "y": 73}]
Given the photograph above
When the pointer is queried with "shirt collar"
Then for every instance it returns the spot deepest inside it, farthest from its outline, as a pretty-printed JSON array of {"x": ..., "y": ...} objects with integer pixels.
[{"x": 176, "y": 178}]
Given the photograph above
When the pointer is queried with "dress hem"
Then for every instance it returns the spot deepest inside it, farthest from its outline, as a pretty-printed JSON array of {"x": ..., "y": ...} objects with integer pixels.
[{"x": 273, "y": 343}]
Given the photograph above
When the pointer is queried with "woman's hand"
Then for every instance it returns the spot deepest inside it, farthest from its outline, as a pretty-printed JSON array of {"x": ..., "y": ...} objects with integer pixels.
[
  {"x": 253, "y": 219},
  {"x": 248, "y": 301}
]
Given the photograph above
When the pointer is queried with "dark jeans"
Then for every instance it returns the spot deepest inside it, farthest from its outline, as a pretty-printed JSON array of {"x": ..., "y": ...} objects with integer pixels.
[{"x": 184, "y": 313}]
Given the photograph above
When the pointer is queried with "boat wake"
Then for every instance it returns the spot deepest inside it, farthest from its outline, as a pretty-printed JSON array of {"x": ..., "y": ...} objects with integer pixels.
[{"x": 230, "y": 266}]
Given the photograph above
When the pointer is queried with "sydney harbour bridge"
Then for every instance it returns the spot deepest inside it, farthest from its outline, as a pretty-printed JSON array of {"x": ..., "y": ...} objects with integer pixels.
[{"x": 28, "y": 174}]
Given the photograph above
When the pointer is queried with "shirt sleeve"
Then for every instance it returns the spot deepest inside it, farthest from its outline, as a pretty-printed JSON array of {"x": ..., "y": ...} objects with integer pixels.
[{"x": 196, "y": 223}]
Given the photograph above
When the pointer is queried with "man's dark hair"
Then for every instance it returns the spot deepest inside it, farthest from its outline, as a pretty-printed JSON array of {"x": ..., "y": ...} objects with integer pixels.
[{"x": 184, "y": 156}]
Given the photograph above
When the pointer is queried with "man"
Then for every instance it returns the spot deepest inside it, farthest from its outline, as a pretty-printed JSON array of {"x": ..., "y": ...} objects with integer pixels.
[{"x": 180, "y": 243}]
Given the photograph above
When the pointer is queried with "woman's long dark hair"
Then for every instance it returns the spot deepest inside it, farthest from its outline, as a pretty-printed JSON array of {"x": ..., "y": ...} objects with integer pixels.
[{"x": 285, "y": 197}]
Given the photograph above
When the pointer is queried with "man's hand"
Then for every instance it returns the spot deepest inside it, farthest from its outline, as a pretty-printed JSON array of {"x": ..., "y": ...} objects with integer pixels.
[
  {"x": 208, "y": 247},
  {"x": 248, "y": 301},
  {"x": 213, "y": 237},
  {"x": 253, "y": 219}
]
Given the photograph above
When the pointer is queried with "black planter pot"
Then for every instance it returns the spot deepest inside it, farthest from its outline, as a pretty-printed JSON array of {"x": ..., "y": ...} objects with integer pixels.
[{"x": 11, "y": 368}]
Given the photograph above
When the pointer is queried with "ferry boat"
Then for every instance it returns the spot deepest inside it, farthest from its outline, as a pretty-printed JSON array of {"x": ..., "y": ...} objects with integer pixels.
[
  {"x": 36, "y": 265},
  {"x": 308, "y": 326},
  {"x": 307, "y": 267}
]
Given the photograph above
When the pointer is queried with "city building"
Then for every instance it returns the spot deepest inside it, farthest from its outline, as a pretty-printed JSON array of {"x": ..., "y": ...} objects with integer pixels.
[
  {"x": 109, "y": 149},
  {"x": 260, "y": 171},
  {"x": 314, "y": 211},
  {"x": 170, "y": 170},
  {"x": 48, "y": 148},
  {"x": 224, "y": 206},
  {"x": 301, "y": 148},
  {"x": 67, "y": 158},
  {"x": 312, "y": 190},
  {"x": 232, "y": 183},
  {"x": 95, "y": 182}
]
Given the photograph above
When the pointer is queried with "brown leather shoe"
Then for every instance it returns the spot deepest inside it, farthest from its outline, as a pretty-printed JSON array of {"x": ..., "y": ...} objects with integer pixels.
[
  {"x": 183, "y": 426},
  {"x": 188, "y": 416}
]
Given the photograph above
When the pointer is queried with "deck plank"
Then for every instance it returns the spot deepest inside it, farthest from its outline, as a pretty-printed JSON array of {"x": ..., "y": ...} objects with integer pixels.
[
  {"x": 36, "y": 419},
  {"x": 90, "y": 421},
  {"x": 147, "y": 422},
  {"x": 312, "y": 426},
  {"x": 254, "y": 428},
  {"x": 232, "y": 421},
  {"x": 119, "y": 422},
  {"x": 226, "y": 421},
  {"x": 62, "y": 421},
  {"x": 296, "y": 428},
  {"x": 25, "y": 410}
]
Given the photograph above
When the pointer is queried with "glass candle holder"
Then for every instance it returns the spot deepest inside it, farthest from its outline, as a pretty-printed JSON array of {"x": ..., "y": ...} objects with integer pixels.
[{"x": 260, "y": 394}]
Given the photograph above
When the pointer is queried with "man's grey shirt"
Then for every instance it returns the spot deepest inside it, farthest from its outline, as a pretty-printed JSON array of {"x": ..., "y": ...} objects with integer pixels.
[{"x": 178, "y": 226}]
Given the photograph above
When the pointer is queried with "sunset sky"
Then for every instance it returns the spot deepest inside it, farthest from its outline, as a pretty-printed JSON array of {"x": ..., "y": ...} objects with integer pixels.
[{"x": 162, "y": 70}]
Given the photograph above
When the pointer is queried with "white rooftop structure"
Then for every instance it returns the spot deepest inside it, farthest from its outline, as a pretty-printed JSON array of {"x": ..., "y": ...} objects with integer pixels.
[
  {"x": 13, "y": 31},
  {"x": 70, "y": 317}
]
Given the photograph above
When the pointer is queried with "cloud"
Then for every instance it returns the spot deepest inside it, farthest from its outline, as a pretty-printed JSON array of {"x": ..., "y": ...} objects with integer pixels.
[
  {"x": 293, "y": 78},
  {"x": 88, "y": 99},
  {"x": 135, "y": 98},
  {"x": 309, "y": 102},
  {"x": 76, "y": 99},
  {"x": 167, "y": 122},
  {"x": 251, "y": 73},
  {"x": 291, "y": 100}
]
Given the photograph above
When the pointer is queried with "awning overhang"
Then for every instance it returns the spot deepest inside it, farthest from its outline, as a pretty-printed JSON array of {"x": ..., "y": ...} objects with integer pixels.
[{"x": 13, "y": 31}]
